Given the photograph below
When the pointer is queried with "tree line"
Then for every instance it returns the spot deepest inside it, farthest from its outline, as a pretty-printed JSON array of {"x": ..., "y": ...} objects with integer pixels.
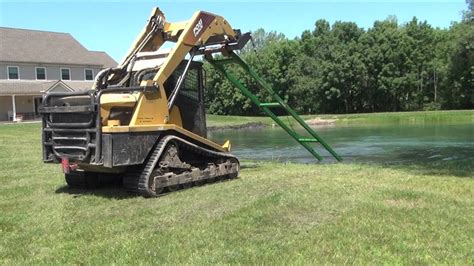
[{"x": 343, "y": 68}]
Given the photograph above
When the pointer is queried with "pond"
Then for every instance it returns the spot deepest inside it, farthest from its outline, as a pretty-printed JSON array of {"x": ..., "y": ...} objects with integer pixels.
[{"x": 393, "y": 143}]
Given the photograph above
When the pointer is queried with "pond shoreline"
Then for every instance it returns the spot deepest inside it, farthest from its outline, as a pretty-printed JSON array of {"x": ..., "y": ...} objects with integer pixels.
[
  {"x": 249, "y": 125},
  {"x": 222, "y": 122},
  {"x": 316, "y": 122}
]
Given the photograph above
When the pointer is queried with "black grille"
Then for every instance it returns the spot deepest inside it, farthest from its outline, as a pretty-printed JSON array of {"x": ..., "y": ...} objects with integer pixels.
[
  {"x": 69, "y": 118},
  {"x": 69, "y": 126},
  {"x": 190, "y": 87}
]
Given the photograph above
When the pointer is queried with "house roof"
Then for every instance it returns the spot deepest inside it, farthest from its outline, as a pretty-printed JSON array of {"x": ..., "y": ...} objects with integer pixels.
[
  {"x": 22, "y": 45},
  {"x": 34, "y": 87},
  {"x": 104, "y": 58}
]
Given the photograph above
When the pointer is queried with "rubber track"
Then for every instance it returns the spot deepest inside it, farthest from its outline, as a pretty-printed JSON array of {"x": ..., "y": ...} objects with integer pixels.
[
  {"x": 81, "y": 180},
  {"x": 76, "y": 180},
  {"x": 137, "y": 180}
]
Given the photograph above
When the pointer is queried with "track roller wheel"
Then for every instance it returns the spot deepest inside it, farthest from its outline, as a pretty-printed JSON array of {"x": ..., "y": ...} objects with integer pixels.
[
  {"x": 236, "y": 174},
  {"x": 154, "y": 191},
  {"x": 170, "y": 159},
  {"x": 199, "y": 183},
  {"x": 186, "y": 185},
  {"x": 173, "y": 188}
]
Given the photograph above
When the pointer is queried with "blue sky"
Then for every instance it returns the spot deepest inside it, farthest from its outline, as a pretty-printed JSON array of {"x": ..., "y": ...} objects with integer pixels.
[{"x": 111, "y": 26}]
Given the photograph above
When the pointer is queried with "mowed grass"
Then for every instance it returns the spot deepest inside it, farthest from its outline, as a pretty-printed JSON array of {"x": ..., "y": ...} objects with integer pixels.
[
  {"x": 455, "y": 116},
  {"x": 230, "y": 120},
  {"x": 452, "y": 116},
  {"x": 274, "y": 214}
]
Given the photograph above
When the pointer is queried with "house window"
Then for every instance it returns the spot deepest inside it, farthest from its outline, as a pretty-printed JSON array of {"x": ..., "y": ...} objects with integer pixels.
[
  {"x": 40, "y": 73},
  {"x": 13, "y": 72},
  {"x": 89, "y": 74},
  {"x": 65, "y": 74}
]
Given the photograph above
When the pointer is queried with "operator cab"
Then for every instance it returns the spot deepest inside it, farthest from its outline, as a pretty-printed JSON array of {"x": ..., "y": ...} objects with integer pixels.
[{"x": 190, "y": 98}]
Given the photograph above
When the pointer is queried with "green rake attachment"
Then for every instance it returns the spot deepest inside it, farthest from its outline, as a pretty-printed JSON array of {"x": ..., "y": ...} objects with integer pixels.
[{"x": 268, "y": 107}]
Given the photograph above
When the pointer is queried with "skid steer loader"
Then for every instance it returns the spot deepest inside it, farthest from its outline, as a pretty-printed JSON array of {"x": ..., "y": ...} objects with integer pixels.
[{"x": 144, "y": 121}]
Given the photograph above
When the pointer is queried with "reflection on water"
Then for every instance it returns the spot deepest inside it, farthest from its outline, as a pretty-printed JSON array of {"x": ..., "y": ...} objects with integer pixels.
[{"x": 380, "y": 144}]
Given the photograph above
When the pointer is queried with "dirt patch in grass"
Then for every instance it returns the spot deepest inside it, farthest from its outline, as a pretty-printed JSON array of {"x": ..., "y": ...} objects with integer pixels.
[{"x": 321, "y": 122}]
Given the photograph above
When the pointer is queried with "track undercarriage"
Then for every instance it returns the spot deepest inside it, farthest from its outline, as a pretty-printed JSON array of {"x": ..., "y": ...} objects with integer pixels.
[{"x": 174, "y": 163}]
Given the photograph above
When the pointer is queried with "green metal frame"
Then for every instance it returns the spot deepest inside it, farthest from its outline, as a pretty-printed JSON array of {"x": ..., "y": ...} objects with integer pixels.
[{"x": 233, "y": 58}]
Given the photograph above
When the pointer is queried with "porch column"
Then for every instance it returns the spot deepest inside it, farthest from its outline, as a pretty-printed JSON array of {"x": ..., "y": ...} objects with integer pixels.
[
  {"x": 14, "y": 108},
  {"x": 34, "y": 111}
]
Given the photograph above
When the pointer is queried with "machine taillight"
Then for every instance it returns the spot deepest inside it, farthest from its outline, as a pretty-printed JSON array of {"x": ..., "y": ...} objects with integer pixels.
[{"x": 65, "y": 165}]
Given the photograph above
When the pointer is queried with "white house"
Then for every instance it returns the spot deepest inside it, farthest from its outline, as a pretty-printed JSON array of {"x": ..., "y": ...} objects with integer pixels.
[{"x": 33, "y": 62}]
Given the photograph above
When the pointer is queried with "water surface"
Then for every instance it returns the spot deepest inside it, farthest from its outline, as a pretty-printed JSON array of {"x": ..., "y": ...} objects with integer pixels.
[{"x": 395, "y": 143}]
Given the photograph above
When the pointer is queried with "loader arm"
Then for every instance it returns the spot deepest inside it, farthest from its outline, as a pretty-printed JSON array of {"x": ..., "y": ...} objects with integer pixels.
[
  {"x": 147, "y": 39},
  {"x": 195, "y": 32},
  {"x": 188, "y": 37}
]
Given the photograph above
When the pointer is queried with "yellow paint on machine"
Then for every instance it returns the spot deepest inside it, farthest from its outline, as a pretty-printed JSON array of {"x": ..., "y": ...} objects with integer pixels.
[
  {"x": 151, "y": 107},
  {"x": 109, "y": 100},
  {"x": 175, "y": 116}
]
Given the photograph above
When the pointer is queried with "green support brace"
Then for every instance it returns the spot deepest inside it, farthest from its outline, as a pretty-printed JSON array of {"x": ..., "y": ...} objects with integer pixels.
[
  {"x": 233, "y": 58},
  {"x": 270, "y": 105}
]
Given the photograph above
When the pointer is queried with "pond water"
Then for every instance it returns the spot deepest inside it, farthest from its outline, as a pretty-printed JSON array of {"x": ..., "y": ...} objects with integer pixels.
[{"x": 393, "y": 143}]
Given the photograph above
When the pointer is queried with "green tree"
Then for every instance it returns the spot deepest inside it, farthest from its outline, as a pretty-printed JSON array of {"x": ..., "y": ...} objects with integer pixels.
[
  {"x": 385, "y": 58},
  {"x": 262, "y": 38},
  {"x": 342, "y": 68},
  {"x": 420, "y": 38},
  {"x": 459, "y": 83},
  {"x": 468, "y": 15}
]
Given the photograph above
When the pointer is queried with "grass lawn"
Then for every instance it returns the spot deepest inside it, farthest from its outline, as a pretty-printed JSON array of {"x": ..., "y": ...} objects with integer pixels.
[
  {"x": 230, "y": 120},
  {"x": 274, "y": 213},
  {"x": 461, "y": 116}
]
